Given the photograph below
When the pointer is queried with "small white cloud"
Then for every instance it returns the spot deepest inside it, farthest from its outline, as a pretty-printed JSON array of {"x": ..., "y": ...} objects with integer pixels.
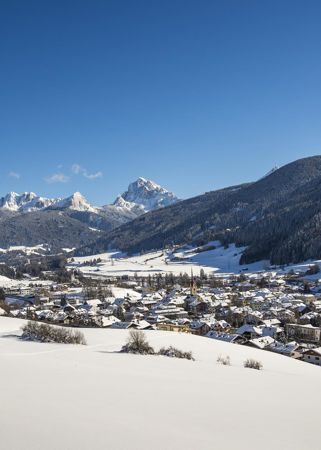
[
  {"x": 78, "y": 170},
  {"x": 57, "y": 178},
  {"x": 93, "y": 176},
  {"x": 14, "y": 175}
]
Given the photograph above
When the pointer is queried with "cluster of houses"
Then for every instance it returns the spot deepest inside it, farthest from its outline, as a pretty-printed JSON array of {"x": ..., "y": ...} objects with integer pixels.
[{"x": 283, "y": 316}]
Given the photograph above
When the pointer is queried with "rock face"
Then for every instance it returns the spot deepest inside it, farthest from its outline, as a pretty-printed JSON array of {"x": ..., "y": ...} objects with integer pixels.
[
  {"x": 76, "y": 202},
  {"x": 145, "y": 195}
]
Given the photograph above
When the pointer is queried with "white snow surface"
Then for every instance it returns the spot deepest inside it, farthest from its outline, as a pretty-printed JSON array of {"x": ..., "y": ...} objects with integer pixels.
[
  {"x": 6, "y": 282},
  {"x": 35, "y": 250},
  {"x": 220, "y": 259},
  {"x": 92, "y": 397}
]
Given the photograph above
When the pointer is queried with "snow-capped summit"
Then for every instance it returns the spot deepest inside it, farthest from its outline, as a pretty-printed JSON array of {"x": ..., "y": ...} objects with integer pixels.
[
  {"x": 25, "y": 202},
  {"x": 147, "y": 195},
  {"x": 75, "y": 202}
]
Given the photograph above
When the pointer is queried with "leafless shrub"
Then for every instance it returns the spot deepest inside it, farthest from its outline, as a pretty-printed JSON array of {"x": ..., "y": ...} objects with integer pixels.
[
  {"x": 43, "y": 332},
  {"x": 313, "y": 269},
  {"x": 253, "y": 364},
  {"x": 137, "y": 343},
  {"x": 224, "y": 360},
  {"x": 175, "y": 353}
]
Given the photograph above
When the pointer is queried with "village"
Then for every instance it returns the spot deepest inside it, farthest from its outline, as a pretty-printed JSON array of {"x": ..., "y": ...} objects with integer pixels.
[{"x": 267, "y": 310}]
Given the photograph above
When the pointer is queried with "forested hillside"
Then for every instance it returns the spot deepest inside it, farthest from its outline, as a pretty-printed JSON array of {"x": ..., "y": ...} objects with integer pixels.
[{"x": 277, "y": 217}]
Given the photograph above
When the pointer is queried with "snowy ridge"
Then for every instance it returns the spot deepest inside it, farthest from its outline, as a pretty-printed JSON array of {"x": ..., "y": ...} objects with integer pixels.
[
  {"x": 25, "y": 202},
  {"x": 142, "y": 196}
]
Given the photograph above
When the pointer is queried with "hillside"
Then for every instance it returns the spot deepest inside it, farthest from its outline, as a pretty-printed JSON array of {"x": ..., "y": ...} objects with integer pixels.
[
  {"x": 277, "y": 217},
  {"x": 119, "y": 401},
  {"x": 49, "y": 227}
]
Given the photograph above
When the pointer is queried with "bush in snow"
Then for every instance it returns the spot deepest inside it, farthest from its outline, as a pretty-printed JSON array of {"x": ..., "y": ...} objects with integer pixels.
[
  {"x": 175, "y": 353},
  {"x": 43, "y": 332},
  {"x": 138, "y": 344},
  {"x": 313, "y": 269},
  {"x": 224, "y": 360},
  {"x": 253, "y": 364}
]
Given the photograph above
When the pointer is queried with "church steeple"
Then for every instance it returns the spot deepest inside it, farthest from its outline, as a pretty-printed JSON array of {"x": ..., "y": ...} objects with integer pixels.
[{"x": 193, "y": 284}]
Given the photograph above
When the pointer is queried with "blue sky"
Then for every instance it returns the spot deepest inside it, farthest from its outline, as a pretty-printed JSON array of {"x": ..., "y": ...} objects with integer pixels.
[{"x": 195, "y": 95}]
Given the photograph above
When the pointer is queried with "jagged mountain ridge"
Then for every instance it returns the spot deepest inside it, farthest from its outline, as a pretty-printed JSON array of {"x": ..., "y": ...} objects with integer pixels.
[
  {"x": 142, "y": 196},
  {"x": 24, "y": 217},
  {"x": 277, "y": 217},
  {"x": 25, "y": 202}
]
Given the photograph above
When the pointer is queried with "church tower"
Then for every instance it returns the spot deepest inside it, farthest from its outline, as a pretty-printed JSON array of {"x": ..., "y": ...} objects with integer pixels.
[{"x": 193, "y": 284}]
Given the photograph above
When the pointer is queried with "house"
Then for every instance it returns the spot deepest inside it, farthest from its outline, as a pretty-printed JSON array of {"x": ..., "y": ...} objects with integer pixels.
[
  {"x": 305, "y": 333},
  {"x": 173, "y": 327},
  {"x": 292, "y": 349},
  {"x": 249, "y": 331},
  {"x": 260, "y": 343},
  {"x": 20, "y": 300},
  {"x": 144, "y": 325},
  {"x": 195, "y": 305},
  {"x": 312, "y": 356},
  {"x": 170, "y": 311},
  {"x": 225, "y": 337},
  {"x": 108, "y": 321},
  {"x": 200, "y": 327}
]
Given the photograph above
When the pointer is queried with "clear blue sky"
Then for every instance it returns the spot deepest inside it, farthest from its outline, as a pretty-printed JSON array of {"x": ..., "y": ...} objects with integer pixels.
[{"x": 195, "y": 95}]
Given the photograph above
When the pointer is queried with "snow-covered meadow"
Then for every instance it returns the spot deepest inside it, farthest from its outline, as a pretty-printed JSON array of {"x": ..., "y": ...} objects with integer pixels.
[
  {"x": 185, "y": 259},
  {"x": 6, "y": 282},
  {"x": 91, "y": 397}
]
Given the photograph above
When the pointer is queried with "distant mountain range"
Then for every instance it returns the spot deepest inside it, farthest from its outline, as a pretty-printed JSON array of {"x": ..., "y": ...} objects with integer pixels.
[
  {"x": 142, "y": 196},
  {"x": 277, "y": 217},
  {"x": 29, "y": 219}
]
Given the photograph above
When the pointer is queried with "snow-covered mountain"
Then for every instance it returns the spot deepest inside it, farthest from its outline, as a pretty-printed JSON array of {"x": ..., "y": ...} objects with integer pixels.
[
  {"x": 76, "y": 202},
  {"x": 142, "y": 196},
  {"x": 145, "y": 195},
  {"x": 25, "y": 202}
]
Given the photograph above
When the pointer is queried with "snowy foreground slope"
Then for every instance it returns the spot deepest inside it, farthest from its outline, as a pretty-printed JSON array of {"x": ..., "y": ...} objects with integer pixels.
[{"x": 76, "y": 398}]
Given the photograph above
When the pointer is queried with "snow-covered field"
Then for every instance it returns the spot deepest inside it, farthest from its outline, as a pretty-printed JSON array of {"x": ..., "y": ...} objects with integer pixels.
[
  {"x": 36, "y": 250},
  {"x": 91, "y": 397},
  {"x": 182, "y": 260},
  {"x": 6, "y": 282}
]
